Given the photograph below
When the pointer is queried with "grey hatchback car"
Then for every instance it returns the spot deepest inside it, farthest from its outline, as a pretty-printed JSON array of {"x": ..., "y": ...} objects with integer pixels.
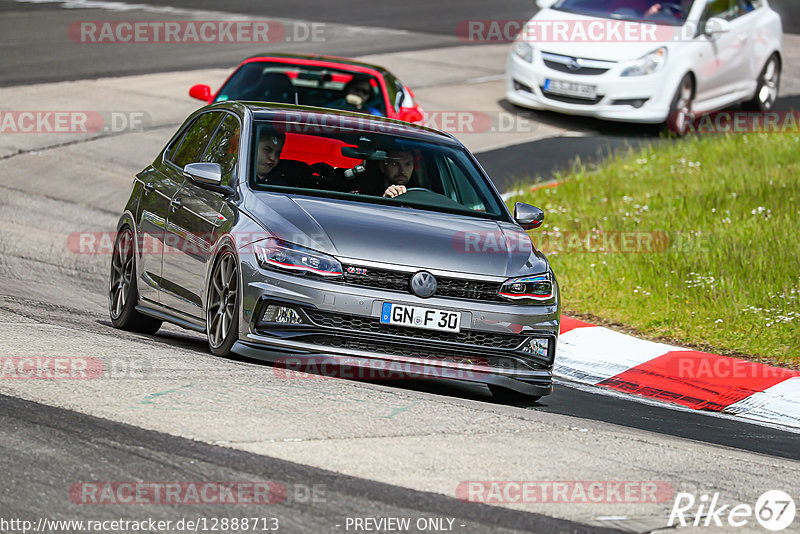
[{"x": 339, "y": 243}]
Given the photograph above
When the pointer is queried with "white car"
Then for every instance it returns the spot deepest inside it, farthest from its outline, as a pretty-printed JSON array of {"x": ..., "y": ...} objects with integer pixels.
[{"x": 647, "y": 61}]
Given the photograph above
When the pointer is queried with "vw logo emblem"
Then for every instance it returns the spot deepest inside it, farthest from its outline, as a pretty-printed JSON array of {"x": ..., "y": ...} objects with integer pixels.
[
  {"x": 423, "y": 284},
  {"x": 575, "y": 64}
]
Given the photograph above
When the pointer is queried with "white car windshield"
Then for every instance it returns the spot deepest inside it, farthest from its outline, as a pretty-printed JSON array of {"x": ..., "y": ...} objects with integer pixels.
[{"x": 673, "y": 12}]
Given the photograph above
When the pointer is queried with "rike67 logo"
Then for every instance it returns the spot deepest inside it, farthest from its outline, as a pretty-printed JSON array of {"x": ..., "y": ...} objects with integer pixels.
[{"x": 774, "y": 510}]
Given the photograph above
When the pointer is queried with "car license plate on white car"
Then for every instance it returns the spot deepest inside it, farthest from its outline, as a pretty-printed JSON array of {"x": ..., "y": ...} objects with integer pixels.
[
  {"x": 579, "y": 90},
  {"x": 417, "y": 317}
]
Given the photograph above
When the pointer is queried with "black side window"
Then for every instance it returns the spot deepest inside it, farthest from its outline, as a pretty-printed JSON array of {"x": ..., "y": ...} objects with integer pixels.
[
  {"x": 194, "y": 142},
  {"x": 724, "y": 9},
  {"x": 224, "y": 147}
]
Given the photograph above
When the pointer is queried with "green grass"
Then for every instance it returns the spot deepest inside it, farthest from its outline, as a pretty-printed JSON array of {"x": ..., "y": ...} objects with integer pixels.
[{"x": 725, "y": 213}]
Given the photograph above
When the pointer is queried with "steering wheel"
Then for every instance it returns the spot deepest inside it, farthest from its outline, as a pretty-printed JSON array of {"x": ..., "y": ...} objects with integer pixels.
[{"x": 410, "y": 189}]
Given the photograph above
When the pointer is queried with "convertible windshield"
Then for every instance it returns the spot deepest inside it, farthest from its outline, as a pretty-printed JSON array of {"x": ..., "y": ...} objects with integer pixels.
[
  {"x": 264, "y": 81},
  {"x": 370, "y": 167},
  {"x": 672, "y": 12}
]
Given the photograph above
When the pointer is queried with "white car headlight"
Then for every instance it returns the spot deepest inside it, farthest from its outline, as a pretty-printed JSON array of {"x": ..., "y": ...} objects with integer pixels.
[
  {"x": 647, "y": 64},
  {"x": 524, "y": 50},
  {"x": 288, "y": 257}
]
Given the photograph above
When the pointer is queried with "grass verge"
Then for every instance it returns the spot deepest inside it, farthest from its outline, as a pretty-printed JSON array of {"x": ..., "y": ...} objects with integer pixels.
[{"x": 696, "y": 241}]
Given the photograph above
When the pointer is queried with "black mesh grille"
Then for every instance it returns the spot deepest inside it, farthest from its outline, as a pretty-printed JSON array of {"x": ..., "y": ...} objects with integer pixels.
[
  {"x": 447, "y": 287},
  {"x": 585, "y": 71},
  {"x": 463, "y": 357},
  {"x": 572, "y": 99},
  {"x": 373, "y": 325}
]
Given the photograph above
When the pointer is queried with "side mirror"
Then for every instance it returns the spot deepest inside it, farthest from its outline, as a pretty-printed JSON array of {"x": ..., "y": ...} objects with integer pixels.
[
  {"x": 208, "y": 176},
  {"x": 716, "y": 26},
  {"x": 409, "y": 115},
  {"x": 527, "y": 216},
  {"x": 544, "y": 4},
  {"x": 201, "y": 92}
]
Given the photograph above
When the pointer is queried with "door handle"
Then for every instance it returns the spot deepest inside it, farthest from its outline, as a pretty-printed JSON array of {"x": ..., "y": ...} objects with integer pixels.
[
  {"x": 743, "y": 38},
  {"x": 175, "y": 204},
  {"x": 148, "y": 188}
]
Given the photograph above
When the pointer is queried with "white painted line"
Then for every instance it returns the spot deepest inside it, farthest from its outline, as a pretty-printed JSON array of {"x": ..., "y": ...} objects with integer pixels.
[{"x": 778, "y": 404}]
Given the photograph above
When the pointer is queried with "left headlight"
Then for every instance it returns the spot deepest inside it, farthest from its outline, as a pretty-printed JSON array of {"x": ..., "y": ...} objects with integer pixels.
[
  {"x": 287, "y": 257},
  {"x": 647, "y": 64},
  {"x": 524, "y": 50},
  {"x": 538, "y": 287}
]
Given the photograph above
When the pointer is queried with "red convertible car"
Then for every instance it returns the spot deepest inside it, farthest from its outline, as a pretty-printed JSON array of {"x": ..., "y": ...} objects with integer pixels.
[{"x": 319, "y": 81}]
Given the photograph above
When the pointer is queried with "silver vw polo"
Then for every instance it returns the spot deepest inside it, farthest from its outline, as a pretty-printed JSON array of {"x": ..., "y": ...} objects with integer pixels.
[{"x": 323, "y": 240}]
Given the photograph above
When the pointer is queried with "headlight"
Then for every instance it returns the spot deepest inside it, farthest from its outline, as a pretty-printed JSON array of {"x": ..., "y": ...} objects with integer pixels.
[
  {"x": 523, "y": 50},
  {"x": 647, "y": 64},
  {"x": 538, "y": 287},
  {"x": 282, "y": 256}
]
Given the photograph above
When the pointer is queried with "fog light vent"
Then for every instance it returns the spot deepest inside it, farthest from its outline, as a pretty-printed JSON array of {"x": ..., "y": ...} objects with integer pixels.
[
  {"x": 281, "y": 314},
  {"x": 537, "y": 345}
]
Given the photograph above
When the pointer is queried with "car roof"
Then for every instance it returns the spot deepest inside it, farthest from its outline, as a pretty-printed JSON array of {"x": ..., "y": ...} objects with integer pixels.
[
  {"x": 332, "y": 60},
  {"x": 326, "y": 117}
]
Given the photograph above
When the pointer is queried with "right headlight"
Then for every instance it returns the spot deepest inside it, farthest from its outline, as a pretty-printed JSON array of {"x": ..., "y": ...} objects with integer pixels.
[
  {"x": 647, "y": 64},
  {"x": 523, "y": 50},
  {"x": 537, "y": 287}
]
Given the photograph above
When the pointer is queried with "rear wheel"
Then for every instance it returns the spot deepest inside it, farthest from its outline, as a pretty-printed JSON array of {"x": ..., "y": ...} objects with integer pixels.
[
  {"x": 680, "y": 113},
  {"x": 769, "y": 82},
  {"x": 222, "y": 311},
  {"x": 509, "y": 396},
  {"x": 123, "y": 295}
]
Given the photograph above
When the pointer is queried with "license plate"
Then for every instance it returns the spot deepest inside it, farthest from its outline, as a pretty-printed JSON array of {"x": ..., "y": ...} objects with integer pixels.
[
  {"x": 579, "y": 90},
  {"x": 417, "y": 317}
]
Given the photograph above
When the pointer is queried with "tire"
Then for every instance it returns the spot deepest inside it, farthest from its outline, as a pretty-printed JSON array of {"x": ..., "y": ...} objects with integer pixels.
[
  {"x": 768, "y": 84},
  {"x": 123, "y": 294},
  {"x": 222, "y": 308},
  {"x": 509, "y": 396},
  {"x": 680, "y": 112}
]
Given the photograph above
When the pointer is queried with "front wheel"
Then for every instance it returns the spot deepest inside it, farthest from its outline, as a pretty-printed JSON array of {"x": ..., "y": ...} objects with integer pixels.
[
  {"x": 680, "y": 112},
  {"x": 768, "y": 84},
  {"x": 123, "y": 294},
  {"x": 222, "y": 310}
]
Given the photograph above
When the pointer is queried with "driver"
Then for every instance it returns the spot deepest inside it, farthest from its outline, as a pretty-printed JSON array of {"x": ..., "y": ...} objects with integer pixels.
[
  {"x": 397, "y": 171},
  {"x": 677, "y": 6}
]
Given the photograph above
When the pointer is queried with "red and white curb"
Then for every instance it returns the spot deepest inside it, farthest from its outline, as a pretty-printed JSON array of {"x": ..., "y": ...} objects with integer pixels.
[{"x": 598, "y": 356}]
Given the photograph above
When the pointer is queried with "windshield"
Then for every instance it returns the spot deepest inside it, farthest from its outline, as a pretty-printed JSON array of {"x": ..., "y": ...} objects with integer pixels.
[
  {"x": 287, "y": 83},
  {"x": 673, "y": 12},
  {"x": 370, "y": 167}
]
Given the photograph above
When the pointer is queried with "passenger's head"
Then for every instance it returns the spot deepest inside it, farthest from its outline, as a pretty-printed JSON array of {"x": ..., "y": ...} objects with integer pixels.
[
  {"x": 268, "y": 151},
  {"x": 360, "y": 87},
  {"x": 398, "y": 167}
]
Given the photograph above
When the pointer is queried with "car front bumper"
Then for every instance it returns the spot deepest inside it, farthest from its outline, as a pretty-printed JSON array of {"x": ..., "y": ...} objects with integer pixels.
[
  {"x": 617, "y": 95},
  {"x": 341, "y": 327}
]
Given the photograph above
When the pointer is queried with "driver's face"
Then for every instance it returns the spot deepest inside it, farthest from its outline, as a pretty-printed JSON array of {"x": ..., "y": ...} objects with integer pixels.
[
  {"x": 397, "y": 168},
  {"x": 269, "y": 153}
]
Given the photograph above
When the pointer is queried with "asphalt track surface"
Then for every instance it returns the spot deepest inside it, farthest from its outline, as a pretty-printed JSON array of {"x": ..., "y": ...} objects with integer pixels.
[
  {"x": 47, "y": 55},
  {"x": 47, "y": 441}
]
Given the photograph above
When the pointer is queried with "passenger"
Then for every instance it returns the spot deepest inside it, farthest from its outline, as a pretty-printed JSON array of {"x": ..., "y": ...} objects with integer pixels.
[
  {"x": 357, "y": 96},
  {"x": 268, "y": 155}
]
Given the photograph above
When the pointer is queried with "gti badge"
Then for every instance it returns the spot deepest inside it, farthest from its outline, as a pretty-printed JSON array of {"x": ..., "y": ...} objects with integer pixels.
[{"x": 423, "y": 284}]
